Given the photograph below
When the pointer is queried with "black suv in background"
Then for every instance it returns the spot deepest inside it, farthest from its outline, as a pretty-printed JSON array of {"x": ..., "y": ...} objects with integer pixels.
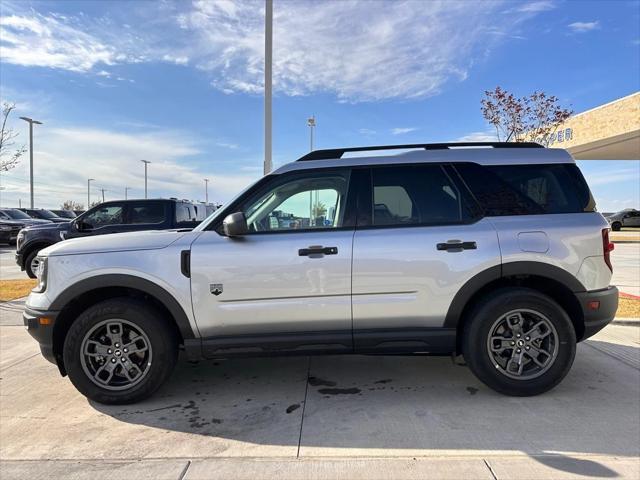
[
  {"x": 42, "y": 214},
  {"x": 16, "y": 215},
  {"x": 70, "y": 214},
  {"x": 108, "y": 217}
]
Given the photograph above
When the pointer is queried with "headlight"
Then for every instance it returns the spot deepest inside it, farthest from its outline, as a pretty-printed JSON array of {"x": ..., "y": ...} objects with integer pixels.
[{"x": 41, "y": 274}]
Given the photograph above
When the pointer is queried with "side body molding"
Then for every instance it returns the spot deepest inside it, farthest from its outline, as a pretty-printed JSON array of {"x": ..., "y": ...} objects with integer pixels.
[
  {"x": 128, "y": 281},
  {"x": 475, "y": 284}
]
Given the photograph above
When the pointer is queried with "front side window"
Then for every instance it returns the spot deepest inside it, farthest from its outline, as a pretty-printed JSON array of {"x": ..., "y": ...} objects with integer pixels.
[
  {"x": 306, "y": 201},
  {"x": 103, "y": 216},
  {"x": 414, "y": 195},
  {"x": 146, "y": 213}
]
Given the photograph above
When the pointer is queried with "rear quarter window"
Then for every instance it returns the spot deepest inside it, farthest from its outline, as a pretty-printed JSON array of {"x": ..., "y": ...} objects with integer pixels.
[{"x": 528, "y": 189}]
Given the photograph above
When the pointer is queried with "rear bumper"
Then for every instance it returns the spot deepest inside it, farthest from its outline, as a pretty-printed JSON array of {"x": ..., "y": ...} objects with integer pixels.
[
  {"x": 41, "y": 331},
  {"x": 596, "y": 319}
]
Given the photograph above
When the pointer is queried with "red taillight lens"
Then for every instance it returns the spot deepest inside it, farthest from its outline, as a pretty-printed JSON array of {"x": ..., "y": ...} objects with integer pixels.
[{"x": 607, "y": 247}]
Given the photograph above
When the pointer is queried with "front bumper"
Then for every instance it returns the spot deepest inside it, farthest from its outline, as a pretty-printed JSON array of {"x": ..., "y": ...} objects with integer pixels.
[
  {"x": 20, "y": 260},
  {"x": 42, "y": 330},
  {"x": 596, "y": 319}
]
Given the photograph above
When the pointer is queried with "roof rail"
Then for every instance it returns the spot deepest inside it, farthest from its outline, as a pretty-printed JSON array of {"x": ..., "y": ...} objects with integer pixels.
[{"x": 339, "y": 152}]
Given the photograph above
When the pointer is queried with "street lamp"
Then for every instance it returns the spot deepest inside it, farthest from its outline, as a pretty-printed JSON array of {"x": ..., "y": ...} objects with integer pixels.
[
  {"x": 206, "y": 191},
  {"x": 31, "y": 121},
  {"x": 146, "y": 162},
  {"x": 89, "y": 180},
  {"x": 311, "y": 123},
  {"x": 126, "y": 189}
]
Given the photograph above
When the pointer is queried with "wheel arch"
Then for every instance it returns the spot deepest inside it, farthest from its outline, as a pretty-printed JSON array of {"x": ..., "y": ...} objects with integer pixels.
[
  {"x": 553, "y": 281},
  {"x": 80, "y": 296}
]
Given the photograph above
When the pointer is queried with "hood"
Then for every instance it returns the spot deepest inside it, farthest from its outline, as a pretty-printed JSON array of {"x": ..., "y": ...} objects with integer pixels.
[
  {"x": 115, "y": 242},
  {"x": 13, "y": 223},
  {"x": 47, "y": 226},
  {"x": 33, "y": 221}
]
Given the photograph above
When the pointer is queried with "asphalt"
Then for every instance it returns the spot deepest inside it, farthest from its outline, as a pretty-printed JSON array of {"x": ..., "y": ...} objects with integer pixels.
[{"x": 324, "y": 417}]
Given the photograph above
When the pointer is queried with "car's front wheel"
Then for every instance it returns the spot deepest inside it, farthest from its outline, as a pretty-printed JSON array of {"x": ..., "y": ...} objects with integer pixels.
[
  {"x": 120, "y": 351},
  {"x": 519, "y": 342},
  {"x": 31, "y": 263},
  {"x": 616, "y": 226}
]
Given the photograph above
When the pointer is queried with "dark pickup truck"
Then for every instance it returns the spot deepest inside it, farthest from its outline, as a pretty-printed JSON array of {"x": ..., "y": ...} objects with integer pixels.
[{"x": 108, "y": 217}]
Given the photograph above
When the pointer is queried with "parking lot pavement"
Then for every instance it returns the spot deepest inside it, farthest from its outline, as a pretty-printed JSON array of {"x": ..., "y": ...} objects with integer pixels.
[
  {"x": 325, "y": 417},
  {"x": 625, "y": 259},
  {"x": 8, "y": 268}
]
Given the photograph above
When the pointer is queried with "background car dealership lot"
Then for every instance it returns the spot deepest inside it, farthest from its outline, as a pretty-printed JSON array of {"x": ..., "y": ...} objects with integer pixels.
[{"x": 328, "y": 417}]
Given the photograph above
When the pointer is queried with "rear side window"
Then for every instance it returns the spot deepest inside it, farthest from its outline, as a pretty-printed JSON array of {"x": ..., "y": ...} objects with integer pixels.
[
  {"x": 528, "y": 189},
  {"x": 152, "y": 212},
  {"x": 414, "y": 195},
  {"x": 185, "y": 212}
]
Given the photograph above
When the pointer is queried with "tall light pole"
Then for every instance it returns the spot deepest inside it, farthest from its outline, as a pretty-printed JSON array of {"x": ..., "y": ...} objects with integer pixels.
[
  {"x": 146, "y": 162},
  {"x": 206, "y": 191},
  {"x": 89, "y": 180},
  {"x": 311, "y": 123},
  {"x": 102, "y": 190},
  {"x": 268, "y": 86},
  {"x": 126, "y": 189},
  {"x": 31, "y": 121}
]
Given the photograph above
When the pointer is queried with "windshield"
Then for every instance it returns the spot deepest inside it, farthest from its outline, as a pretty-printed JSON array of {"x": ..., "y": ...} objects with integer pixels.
[
  {"x": 16, "y": 214},
  {"x": 47, "y": 214}
]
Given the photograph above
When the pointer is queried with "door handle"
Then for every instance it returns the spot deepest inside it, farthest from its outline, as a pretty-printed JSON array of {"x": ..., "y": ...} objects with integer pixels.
[
  {"x": 456, "y": 246},
  {"x": 317, "y": 250}
]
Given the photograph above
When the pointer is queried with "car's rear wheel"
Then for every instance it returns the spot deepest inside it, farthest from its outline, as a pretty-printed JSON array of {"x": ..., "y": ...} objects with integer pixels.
[
  {"x": 616, "y": 226},
  {"x": 120, "y": 351},
  {"x": 519, "y": 342}
]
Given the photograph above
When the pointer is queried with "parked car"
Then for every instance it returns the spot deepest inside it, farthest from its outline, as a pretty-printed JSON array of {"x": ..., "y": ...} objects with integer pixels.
[
  {"x": 9, "y": 231},
  {"x": 21, "y": 217},
  {"x": 70, "y": 214},
  {"x": 497, "y": 254},
  {"x": 42, "y": 214},
  {"x": 108, "y": 217},
  {"x": 625, "y": 218}
]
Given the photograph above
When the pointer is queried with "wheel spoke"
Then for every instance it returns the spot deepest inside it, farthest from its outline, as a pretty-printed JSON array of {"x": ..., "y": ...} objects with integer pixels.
[
  {"x": 93, "y": 348},
  {"x": 114, "y": 332},
  {"x": 505, "y": 343},
  {"x": 534, "y": 353},
  {"x": 514, "y": 365},
  {"x": 108, "y": 367},
  {"x": 131, "y": 371},
  {"x": 138, "y": 345},
  {"x": 536, "y": 334},
  {"x": 514, "y": 322}
]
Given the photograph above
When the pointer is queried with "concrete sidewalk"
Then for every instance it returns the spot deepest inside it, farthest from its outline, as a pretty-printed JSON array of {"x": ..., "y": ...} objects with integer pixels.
[{"x": 324, "y": 417}]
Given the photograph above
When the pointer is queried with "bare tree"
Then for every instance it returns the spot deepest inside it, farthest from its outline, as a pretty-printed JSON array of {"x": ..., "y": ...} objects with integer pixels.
[
  {"x": 531, "y": 118},
  {"x": 71, "y": 205},
  {"x": 9, "y": 158}
]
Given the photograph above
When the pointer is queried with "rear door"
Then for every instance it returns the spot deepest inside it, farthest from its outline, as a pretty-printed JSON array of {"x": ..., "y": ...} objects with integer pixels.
[{"x": 419, "y": 239}]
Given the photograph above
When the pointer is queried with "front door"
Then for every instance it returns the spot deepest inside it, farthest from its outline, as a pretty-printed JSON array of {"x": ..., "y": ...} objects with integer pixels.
[{"x": 287, "y": 283}]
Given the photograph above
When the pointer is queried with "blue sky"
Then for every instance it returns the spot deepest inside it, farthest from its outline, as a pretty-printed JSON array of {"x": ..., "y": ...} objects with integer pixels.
[{"x": 180, "y": 83}]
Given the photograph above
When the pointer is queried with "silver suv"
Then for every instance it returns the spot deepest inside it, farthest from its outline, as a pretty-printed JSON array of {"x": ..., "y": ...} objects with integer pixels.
[{"x": 493, "y": 251}]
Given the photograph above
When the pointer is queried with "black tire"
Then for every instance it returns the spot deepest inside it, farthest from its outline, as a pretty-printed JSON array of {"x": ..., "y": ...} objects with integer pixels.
[
  {"x": 616, "y": 226},
  {"x": 476, "y": 338},
  {"x": 27, "y": 263},
  {"x": 158, "y": 329}
]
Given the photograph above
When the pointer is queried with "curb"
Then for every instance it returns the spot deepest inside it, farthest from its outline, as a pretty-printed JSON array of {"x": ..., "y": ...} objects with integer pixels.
[{"x": 629, "y": 322}]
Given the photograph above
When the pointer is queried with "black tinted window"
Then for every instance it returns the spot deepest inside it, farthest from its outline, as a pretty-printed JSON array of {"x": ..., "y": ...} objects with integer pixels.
[
  {"x": 102, "y": 216},
  {"x": 416, "y": 195},
  {"x": 152, "y": 212},
  {"x": 528, "y": 189},
  {"x": 185, "y": 213}
]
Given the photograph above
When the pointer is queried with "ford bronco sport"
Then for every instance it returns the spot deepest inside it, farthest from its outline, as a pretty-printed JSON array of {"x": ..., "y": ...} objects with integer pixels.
[{"x": 493, "y": 251}]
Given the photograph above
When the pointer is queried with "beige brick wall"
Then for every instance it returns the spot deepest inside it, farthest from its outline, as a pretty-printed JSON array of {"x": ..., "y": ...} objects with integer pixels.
[{"x": 614, "y": 118}]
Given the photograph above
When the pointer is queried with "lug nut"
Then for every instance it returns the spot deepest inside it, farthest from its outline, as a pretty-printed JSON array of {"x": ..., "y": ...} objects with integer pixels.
[
  {"x": 527, "y": 338},
  {"x": 123, "y": 359},
  {"x": 513, "y": 343},
  {"x": 527, "y": 347},
  {"x": 518, "y": 350},
  {"x": 109, "y": 351},
  {"x": 517, "y": 336},
  {"x": 113, "y": 360},
  {"x": 117, "y": 345},
  {"x": 125, "y": 350}
]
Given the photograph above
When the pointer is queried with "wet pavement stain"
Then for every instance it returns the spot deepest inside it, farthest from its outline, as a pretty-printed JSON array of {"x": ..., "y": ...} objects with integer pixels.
[
  {"x": 320, "y": 382},
  {"x": 472, "y": 390},
  {"x": 386, "y": 380},
  {"x": 339, "y": 391},
  {"x": 292, "y": 408}
]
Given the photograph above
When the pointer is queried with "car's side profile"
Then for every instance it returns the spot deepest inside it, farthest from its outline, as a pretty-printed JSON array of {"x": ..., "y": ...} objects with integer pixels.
[
  {"x": 625, "y": 218},
  {"x": 493, "y": 251}
]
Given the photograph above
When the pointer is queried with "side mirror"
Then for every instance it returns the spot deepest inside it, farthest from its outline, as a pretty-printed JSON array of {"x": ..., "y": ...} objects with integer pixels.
[{"x": 235, "y": 225}]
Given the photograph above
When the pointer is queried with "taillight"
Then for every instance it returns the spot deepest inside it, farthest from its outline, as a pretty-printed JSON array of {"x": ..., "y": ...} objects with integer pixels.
[{"x": 607, "y": 247}]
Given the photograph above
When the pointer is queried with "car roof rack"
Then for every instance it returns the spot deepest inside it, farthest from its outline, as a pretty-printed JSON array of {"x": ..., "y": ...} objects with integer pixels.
[{"x": 334, "y": 153}]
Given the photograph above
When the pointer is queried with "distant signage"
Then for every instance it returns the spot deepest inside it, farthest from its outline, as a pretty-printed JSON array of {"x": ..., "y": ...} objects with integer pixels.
[{"x": 560, "y": 136}]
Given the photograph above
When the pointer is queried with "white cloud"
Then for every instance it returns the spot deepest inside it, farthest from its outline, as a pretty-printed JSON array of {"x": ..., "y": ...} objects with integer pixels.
[
  {"x": 583, "y": 27},
  {"x": 478, "y": 137},
  {"x": 357, "y": 50},
  {"x": 66, "y": 157},
  {"x": 402, "y": 130},
  {"x": 534, "y": 7},
  {"x": 366, "y": 131}
]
